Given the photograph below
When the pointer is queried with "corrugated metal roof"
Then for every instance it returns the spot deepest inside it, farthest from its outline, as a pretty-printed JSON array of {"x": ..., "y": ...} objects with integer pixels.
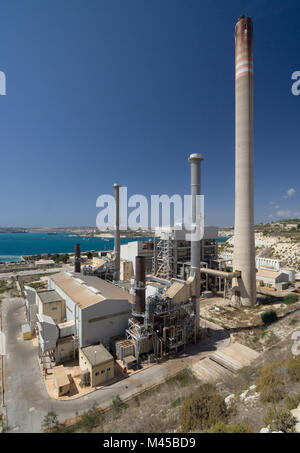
[
  {"x": 85, "y": 297},
  {"x": 268, "y": 274}
]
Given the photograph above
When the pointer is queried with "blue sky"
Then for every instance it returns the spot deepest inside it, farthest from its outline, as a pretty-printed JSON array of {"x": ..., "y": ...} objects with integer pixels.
[{"x": 124, "y": 90}]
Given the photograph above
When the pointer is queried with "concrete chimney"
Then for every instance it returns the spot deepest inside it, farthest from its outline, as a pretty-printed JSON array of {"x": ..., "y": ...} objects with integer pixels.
[
  {"x": 244, "y": 288},
  {"x": 77, "y": 263},
  {"x": 195, "y": 161},
  {"x": 117, "y": 233}
]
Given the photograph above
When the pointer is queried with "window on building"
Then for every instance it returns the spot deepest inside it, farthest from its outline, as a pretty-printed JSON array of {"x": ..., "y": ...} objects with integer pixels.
[
  {"x": 54, "y": 308},
  {"x": 102, "y": 371},
  {"x": 108, "y": 369},
  {"x": 97, "y": 374}
]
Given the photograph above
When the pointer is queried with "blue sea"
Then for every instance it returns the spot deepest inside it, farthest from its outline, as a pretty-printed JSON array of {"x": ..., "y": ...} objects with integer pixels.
[{"x": 14, "y": 245}]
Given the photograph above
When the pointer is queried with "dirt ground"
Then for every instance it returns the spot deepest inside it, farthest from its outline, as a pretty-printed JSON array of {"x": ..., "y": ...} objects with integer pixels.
[
  {"x": 245, "y": 324},
  {"x": 157, "y": 410}
]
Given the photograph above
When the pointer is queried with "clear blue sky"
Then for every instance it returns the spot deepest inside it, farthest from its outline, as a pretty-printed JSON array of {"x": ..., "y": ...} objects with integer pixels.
[{"x": 124, "y": 90}]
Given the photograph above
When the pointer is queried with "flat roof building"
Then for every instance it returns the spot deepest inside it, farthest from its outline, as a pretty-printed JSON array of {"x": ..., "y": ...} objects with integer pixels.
[
  {"x": 61, "y": 380},
  {"x": 50, "y": 303},
  {"x": 98, "y": 362}
]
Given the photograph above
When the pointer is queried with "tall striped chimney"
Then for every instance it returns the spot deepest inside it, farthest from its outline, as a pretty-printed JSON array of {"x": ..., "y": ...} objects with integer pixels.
[{"x": 244, "y": 288}]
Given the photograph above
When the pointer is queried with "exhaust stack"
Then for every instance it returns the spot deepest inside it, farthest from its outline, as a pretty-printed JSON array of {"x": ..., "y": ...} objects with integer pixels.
[
  {"x": 195, "y": 161},
  {"x": 195, "y": 280},
  {"x": 140, "y": 282},
  {"x": 244, "y": 289},
  {"x": 117, "y": 233},
  {"x": 77, "y": 263}
]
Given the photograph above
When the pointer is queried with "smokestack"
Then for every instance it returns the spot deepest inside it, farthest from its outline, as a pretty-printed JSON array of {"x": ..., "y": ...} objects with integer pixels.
[
  {"x": 77, "y": 258},
  {"x": 244, "y": 289},
  {"x": 195, "y": 161},
  {"x": 140, "y": 280},
  {"x": 117, "y": 233}
]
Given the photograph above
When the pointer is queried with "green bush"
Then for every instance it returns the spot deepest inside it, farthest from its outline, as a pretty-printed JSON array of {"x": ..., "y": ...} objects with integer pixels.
[
  {"x": 222, "y": 427},
  {"x": 269, "y": 316},
  {"x": 290, "y": 299},
  {"x": 281, "y": 420},
  {"x": 270, "y": 383},
  {"x": 90, "y": 420},
  {"x": 118, "y": 404},
  {"x": 50, "y": 421},
  {"x": 293, "y": 367},
  {"x": 177, "y": 402},
  {"x": 202, "y": 409}
]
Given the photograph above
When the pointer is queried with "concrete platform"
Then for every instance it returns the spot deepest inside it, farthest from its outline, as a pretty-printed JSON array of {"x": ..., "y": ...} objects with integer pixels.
[
  {"x": 208, "y": 371},
  {"x": 224, "y": 362}
]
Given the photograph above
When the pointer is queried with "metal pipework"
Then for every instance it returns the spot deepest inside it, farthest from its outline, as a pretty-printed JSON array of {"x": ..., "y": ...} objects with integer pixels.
[
  {"x": 244, "y": 289},
  {"x": 217, "y": 273},
  {"x": 195, "y": 161},
  {"x": 140, "y": 284},
  {"x": 117, "y": 233},
  {"x": 77, "y": 258}
]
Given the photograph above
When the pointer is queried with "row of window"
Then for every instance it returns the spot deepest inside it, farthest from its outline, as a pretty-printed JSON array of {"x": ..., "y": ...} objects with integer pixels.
[{"x": 102, "y": 372}]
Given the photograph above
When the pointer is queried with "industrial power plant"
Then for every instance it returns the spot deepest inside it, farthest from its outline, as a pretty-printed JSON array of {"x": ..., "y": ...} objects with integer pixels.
[{"x": 141, "y": 302}]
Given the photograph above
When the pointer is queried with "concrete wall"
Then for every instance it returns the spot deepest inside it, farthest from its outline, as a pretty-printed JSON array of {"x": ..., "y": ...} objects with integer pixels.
[
  {"x": 261, "y": 261},
  {"x": 129, "y": 251},
  {"x": 126, "y": 270},
  {"x": 64, "y": 350},
  {"x": 56, "y": 310},
  {"x": 73, "y": 312},
  {"x": 103, "y": 321},
  {"x": 98, "y": 374}
]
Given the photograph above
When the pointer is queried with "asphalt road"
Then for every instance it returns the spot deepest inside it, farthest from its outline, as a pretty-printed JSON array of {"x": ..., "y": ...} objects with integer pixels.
[{"x": 26, "y": 398}]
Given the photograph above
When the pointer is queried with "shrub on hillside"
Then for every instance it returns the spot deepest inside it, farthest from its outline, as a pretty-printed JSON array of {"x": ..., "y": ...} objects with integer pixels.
[
  {"x": 281, "y": 420},
  {"x": 269, "y": 316},
  {"x": 292, "y": 401},
  {"x": 290, "y": 299},
  {"x": 202, "y": 409},
  {"x": 293, "y": 367},
  {"x": 222, "y": 427},
  {"x": 270, "y": 383}
]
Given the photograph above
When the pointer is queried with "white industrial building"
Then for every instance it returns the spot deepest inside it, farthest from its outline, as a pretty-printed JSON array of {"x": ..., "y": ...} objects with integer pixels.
[
  {"x": 98, "y": 309},
  {"x": 262, "y": 262},
  {"x": 130, "y": 250},
  {"x": 271, "y": 278}
]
